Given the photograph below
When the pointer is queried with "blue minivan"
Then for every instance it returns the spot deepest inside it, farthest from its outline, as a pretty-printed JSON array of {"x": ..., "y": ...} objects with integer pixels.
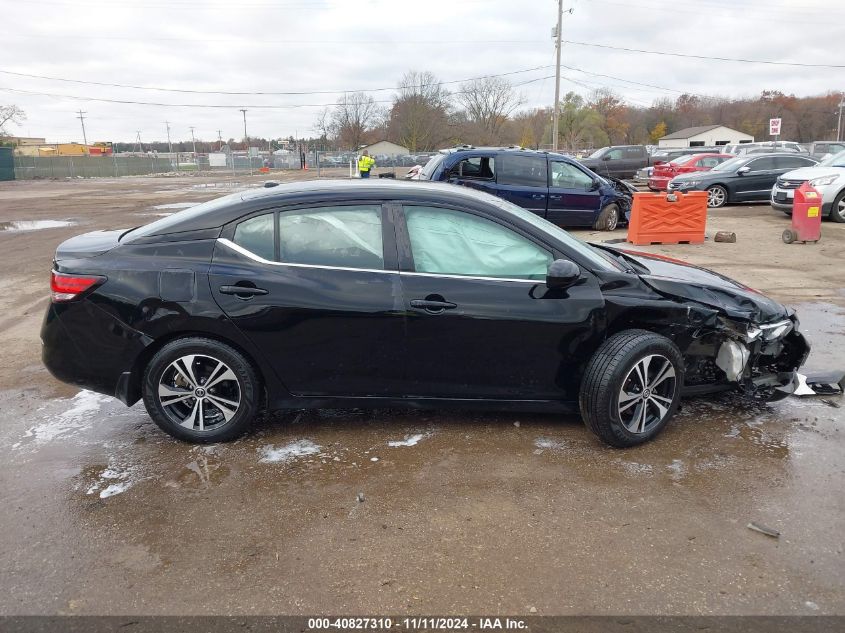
[{"x": 553, "y": 186}]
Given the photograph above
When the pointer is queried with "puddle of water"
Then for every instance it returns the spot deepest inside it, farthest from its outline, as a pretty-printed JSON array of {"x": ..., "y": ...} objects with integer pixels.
[
  {"x": 278, "y": 454},
  {"x": 34, "y": 225},
  {"x": 112, "y": 480},
  {"x": 548, "y": 443}
]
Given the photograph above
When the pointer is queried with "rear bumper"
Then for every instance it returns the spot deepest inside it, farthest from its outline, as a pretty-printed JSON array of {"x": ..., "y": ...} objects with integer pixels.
[
  {"x": 85, "y": 346},
  {"x": 658, "y": 183}
]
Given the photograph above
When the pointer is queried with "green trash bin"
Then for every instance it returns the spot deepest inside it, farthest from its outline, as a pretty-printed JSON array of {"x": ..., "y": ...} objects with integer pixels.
[{"x": 7, "y": 164}]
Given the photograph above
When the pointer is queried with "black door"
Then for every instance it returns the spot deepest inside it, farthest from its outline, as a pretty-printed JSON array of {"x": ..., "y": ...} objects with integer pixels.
[
  {"x": 317, "y": 291},
  {"x": 757, "y": 181},
  {"x": 481, "y": 322},
  {"x": 574, "y": 198}
]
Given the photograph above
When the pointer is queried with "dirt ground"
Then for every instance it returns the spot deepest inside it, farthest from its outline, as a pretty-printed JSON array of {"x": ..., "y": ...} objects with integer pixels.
[{"x": 461, "y": 513}]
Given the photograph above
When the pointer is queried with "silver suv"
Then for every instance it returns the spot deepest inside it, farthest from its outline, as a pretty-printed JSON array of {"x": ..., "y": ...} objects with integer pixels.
[{"x": 828, "y": 178}]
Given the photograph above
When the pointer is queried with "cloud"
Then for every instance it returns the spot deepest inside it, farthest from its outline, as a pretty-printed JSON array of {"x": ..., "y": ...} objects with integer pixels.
[{"x": 318, "y": 45}]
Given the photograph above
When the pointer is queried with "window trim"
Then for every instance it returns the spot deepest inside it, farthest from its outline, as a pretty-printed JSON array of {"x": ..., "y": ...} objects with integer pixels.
[
  {"x": 403, "y": 238},
  {"x": 388, "y": 233}
]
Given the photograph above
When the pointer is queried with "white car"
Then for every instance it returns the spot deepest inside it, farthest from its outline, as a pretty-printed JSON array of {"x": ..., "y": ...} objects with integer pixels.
[{"x": 828, "y": 178}]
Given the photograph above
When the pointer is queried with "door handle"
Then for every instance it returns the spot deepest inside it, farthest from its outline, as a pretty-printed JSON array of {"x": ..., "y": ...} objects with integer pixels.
[
  {"x": 555, "y": 197},
  {"x": 537, "y": 196},
  {"x": 243, "y": 291},
  {"x": 433, "y": 307}
]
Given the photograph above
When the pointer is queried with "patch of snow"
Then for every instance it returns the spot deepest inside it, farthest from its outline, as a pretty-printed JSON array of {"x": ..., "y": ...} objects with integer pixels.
[
  {"x": 34, "y": 225},
  {"x": 545, "y": 442},
  {"x": 175, "y": 205},
  {"x": 273, "y": 455},
  {"x": 114, "y": 480},
  {"x": 83, "y": 407},
  {"x": 410, "y": 440}
]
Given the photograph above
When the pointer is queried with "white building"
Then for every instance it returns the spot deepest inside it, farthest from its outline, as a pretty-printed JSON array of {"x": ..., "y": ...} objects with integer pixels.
[
  {"x": 704, "y": 136},
  {"x": 385, "y": 147}
]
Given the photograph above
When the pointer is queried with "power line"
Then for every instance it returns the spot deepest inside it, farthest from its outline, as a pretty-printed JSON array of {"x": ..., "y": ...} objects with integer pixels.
[
  {"x": 707, "y": 57},
  {"x": 231, "y": 93}
]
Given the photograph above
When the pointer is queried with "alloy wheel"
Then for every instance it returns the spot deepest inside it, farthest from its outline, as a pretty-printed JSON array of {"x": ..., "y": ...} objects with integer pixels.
[
  {"x": 715, "y": 197},
  {"x": 647, "y": 393},
  {"x": 840, "y": 208},
  {"x": 199, "y": 392},
  {"x": 613, "y": 219}
]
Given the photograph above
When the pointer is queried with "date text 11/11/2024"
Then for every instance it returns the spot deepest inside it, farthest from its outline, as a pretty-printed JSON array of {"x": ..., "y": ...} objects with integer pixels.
[{"x": 418, "y": 623}]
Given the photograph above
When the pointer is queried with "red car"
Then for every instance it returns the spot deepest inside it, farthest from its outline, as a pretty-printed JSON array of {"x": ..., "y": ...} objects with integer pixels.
[{"x": 664, "y": 172}]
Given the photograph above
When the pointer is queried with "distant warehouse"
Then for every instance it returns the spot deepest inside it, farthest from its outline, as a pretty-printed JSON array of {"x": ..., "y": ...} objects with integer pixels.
[{"x": 704, "y": 136}]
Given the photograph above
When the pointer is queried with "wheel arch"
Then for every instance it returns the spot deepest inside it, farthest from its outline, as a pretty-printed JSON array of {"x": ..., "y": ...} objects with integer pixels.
[{"x": 130, "y": 383}]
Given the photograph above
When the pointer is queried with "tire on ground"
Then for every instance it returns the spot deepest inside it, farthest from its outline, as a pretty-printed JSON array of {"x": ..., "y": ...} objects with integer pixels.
[
  {"x": 248, "y": 381},
  {"x": 608, "y": 219},
  {"x": 604, "y": 377},
  {"x": 837, "y": 213}
]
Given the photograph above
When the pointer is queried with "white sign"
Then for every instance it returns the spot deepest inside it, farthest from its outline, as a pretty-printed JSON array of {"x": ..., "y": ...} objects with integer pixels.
[
  {"x": 774, "y": 127},
  {"x": 217, "y": 159}
]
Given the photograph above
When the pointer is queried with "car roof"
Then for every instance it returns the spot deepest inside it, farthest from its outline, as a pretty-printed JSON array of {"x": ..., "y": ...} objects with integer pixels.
[{"x": 220, "y": 211}]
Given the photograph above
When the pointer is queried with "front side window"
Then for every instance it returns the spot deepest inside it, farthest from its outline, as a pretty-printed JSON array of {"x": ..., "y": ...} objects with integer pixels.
[
  {"x": 568, "y": 176},
  {"x": 256, "y": 236},
  {"x": 449, "y": 242},
  {"x": 616, "y": 154},
  {"x": 346, "y": 237},
  {"x": 762, "y": 164},
  {"x": 528, "y": 171},
  {"x": 710, "y": 161}
]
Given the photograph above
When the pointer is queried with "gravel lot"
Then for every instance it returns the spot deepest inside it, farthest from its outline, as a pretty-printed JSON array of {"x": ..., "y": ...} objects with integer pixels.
[{"x": 461, "y": 513}]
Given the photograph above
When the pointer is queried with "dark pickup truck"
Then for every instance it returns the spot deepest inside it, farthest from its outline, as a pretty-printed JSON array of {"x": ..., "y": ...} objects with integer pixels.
[{"x": 619, "y": 161}]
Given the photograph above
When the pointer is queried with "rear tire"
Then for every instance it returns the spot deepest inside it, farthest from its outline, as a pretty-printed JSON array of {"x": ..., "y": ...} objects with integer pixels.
[
  {"x": 608, "y": 218},
  {"x": 631, "y": 387},
  {"x": 201, "y": 390}
]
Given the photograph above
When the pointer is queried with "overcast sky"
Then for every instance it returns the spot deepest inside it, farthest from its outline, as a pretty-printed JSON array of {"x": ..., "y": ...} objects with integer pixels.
[{"x": 334, "y": 45}]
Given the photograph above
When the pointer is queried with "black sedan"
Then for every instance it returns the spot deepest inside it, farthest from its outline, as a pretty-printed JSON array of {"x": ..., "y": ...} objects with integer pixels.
[
  {"x": 748, "y": 178},
  {"x": 344, "y": 293}
]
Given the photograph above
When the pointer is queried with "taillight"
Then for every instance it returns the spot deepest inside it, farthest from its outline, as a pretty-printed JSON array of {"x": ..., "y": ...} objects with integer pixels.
[{"x": 68, "y": 287}]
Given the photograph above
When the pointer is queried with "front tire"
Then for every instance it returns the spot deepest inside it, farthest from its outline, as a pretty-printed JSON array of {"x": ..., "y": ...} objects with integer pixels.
[
  {"x": 837, "y": 210},
  {"x": 608, "y": 219},
  {"x": 201, "y": 390},
  {"x": 717, "y": 197},
  {"x": 631, "y": 387}
]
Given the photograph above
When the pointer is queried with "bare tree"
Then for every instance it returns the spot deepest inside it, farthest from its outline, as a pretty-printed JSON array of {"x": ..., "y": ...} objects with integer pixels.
[
  {"x": 350, "y": 119},
  {"x": 488, "y": 104},
  {"x": 10, "y": 114},
  {"x": 419, "y": 116}
]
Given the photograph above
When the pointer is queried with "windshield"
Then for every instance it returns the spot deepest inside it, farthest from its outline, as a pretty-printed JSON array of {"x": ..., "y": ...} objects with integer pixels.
[
  {"x": 598, "y": 153},
  {"x": 730, "y": 164},
  {"x": 837, "y": 160},
  {"x": 431, "y": 165},
  {"x": 600, "y": 259}
]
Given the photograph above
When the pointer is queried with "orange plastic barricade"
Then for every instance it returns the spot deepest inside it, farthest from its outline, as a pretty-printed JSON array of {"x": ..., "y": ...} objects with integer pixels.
[
  {"x": 675, "y": 218},
  {"x": 264, "y": 170}
]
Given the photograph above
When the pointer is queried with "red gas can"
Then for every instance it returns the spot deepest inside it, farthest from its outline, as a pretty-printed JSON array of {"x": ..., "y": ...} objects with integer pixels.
[{"x": 806, "y": 216}]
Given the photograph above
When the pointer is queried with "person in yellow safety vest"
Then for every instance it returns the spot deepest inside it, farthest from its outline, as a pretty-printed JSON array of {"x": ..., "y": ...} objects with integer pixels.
[{"x": 365, "y": 164}]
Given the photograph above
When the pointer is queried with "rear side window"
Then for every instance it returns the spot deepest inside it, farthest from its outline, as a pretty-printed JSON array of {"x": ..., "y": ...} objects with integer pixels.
[
  {"x": 449, "y": 242},
  {"x": 710, "y": 161},
  {"x": 344, "y": 237},
  {"x": 528, "y": 171},
  {"x": 478, "y": 167},
  {"x": 256, "y": 236},
  {"x": 792, "y": 162}
]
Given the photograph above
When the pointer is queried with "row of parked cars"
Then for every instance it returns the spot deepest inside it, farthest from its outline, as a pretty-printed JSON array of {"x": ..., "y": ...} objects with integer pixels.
[{"x": 569, "y": 193}]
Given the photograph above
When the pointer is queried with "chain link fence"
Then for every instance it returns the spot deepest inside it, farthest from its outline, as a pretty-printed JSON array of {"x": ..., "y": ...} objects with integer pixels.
[{"x": 336, "y": 164}]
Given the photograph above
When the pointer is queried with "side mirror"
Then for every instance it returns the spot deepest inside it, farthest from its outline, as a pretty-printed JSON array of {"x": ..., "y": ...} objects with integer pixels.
[
  {"x": 743, "y": 170},
  {"x": 593, "y": 186},
  {"x": 562, "y": 274}
]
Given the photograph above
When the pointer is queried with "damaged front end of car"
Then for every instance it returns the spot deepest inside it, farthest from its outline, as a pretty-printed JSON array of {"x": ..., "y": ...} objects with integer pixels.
[{"x": 737, "y": 338}]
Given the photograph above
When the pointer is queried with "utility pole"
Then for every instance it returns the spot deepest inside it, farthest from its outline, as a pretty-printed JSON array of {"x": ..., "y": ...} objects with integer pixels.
[
  {"x": 138, "y": 139},
  {"x": 839, "y": 123},
  {"x": 193, "y": 142},
  {"x": 84, "y": 136},
  {"x": 220, "y": 139},
  {"x": 169, "y": 144},
  {"x": 557, "y": 34},
  {"x": 246, "y": 138}
]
